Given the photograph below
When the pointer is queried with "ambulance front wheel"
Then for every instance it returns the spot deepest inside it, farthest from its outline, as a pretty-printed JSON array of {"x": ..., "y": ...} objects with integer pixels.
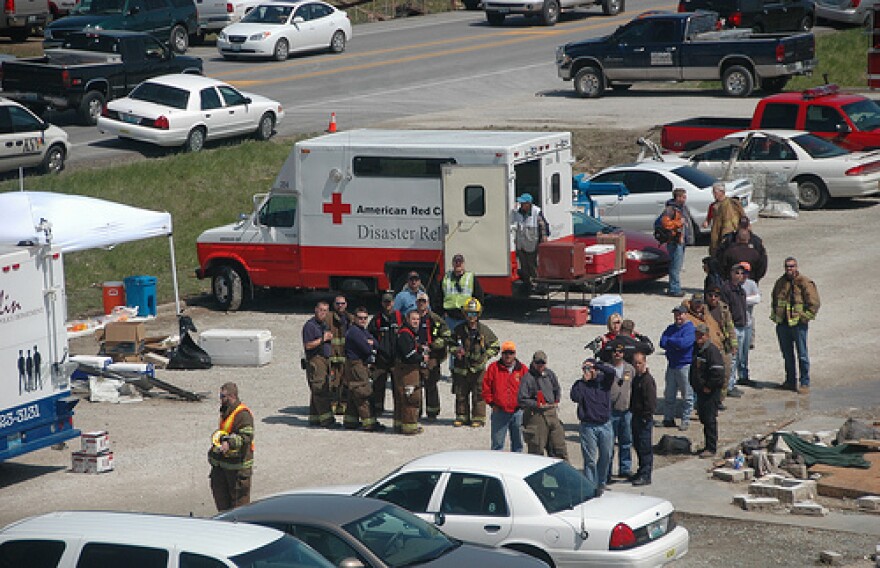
[{"x": 228, "y": 288}]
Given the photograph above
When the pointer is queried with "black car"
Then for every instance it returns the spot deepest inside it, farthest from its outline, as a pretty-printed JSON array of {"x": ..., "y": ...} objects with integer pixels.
[{"x": 762, "y": 16}]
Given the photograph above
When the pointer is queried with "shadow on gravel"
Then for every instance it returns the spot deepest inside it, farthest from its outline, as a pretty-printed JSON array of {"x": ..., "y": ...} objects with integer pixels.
[
  {"x": 12, "y": 473},
  {"x": 644, "y": 91}
]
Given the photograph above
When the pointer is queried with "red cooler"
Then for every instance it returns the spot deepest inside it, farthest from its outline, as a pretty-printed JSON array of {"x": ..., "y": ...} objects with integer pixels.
[
  {"x": 113, "y": 295},
  {"x": 599, "y": 258},
  {"x": 572, "y": 316}
]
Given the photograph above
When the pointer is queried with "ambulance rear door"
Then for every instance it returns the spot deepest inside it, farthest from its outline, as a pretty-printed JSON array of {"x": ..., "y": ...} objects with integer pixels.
[{"x": 476, "y": 217}]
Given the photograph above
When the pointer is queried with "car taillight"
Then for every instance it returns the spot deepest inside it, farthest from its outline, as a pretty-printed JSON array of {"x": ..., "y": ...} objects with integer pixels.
[
  {"x": 65, "y": 79},
  {"x": 230, "y": 8},
  {"x": 780, "y": 53},
  {"x": 735, "y": 20},
  {"x": 161, "y": 123},
  {"x": 864, "y": 169},
  {"x": 9, "y": 6},
  {"x": 104, "y": 111},
  {"x": 682, "y": 7},
  {"x": 622, "y": 537}
]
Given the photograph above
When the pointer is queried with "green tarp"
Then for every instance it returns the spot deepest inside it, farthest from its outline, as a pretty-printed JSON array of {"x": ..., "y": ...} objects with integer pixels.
[{"x": 841, "y": 455}]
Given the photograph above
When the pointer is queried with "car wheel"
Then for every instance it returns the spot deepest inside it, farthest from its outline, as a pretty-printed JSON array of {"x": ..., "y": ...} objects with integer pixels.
[
  {"x": 737, "y": 81},
  {"x": 195, "y": 140},
  {"x": 227, "y": 286},
  {"x": 774, "y": 84},
  {"x": 281, "y": 51},
  {"x": 266, "y": 127},
  {"x": 90, "y": 108},
  {"x": 494, "y": 18},
  {"x": 812, "y": 193},
  {"x": 589, "y": 83},
  {"x": 337, "y": 42},
  {"x": 806, "y": 23},
  {"x": 612, "y": 7},
  {"x": 179, "y": 39},
  {"x": 53, "y": 161},
  {"x": 550, "y": 13}
]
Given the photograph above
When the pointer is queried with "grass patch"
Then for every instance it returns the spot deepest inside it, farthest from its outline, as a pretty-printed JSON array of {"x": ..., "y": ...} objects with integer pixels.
[
  {"x": 843, "y": 56},
  {"x": 33, "y": 47}
]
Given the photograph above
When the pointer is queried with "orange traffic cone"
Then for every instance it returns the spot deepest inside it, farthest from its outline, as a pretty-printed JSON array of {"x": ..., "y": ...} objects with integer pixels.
[{"x": 331, "y": 128}]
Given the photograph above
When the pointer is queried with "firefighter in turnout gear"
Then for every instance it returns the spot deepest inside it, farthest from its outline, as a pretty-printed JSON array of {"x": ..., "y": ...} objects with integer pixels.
[
  {"x": 384, "y": 327},
  {"x": 232, "y": 452},
  {"x": 316, "y": 337},
  {"x": 473, "y": 345},
  {"x": 434, "y": 336},
  {"x": 411, "y": 359},
  {"x": 340, "y": 320},
  {"x": 360, "y": 352}
]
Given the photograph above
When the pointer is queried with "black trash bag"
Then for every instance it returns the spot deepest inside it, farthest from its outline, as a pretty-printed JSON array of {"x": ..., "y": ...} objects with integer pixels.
[
  {"x": 186, "y": 324},
  {"x": 188, "y": 355},
  {"x": 673, "y": 445}
]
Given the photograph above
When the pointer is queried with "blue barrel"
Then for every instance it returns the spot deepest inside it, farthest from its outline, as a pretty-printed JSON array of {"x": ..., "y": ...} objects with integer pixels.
[{"x": 140, "y": 293}]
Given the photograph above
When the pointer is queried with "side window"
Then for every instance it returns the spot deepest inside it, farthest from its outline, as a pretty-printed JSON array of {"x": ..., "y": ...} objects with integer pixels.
[
  {"x": 190, "y": 560},
  {"x": 647, "y": 182},
  {"x": 468, "y": 494},
  {"x": 635, "y": 33},
  {"x": 474, "y": 201},
  {"x": 664, "y": 32},
  {"x": 822, "y": 119},
  {"x": 610, "y": 177},
  {"x": 767, "y": 150},
  {"x": 5, "y": 120},
  {"x": 321, "y": 11},
  {"x": 279, "y": 211},
  {"x": 304, "y": 12},
  {"x": 555, "y": 188},
  {"x": 23, "y": 121},
  {"x": 716, "y": 155},
  {"x": 778, "y": 115},
  {"x": 231, "y": 96},
  {"x": 412, "y": 491},
  {"x": 152, "y": 48},
  {"x": 210, "y": 98},
  {"x": 326, "y": 543},
  {"x": 31, "y": 553},
  {"x": 101, "y": 555}
]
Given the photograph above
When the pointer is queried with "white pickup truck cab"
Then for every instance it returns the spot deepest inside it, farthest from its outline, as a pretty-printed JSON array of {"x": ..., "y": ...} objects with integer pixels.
[{"x": 546, "y": 11}]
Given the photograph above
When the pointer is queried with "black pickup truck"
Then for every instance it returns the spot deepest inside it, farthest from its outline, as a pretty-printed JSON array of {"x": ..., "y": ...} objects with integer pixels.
[
  {"x": 89, "y": 69},
  {"x": 685, "y": 46}
]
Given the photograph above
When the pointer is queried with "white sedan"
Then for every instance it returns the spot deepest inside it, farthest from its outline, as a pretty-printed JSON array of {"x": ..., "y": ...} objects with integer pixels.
[
  {"x": 187, "y": 110},
  {"x": 26, "y": 141},
  {"x": 278, "y": 29},
  {"x": 534, "y": 504},
  {"x": 820, "y": 168}
]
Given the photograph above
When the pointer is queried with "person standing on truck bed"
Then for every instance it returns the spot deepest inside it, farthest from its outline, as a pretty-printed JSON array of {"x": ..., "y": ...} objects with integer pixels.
[
  {"x": 724, "y": 215},
  {"x": 340, "y": 320},
  {"x": 530, "y": 229},
  {"x": 232, "y": 452},
  {"x": 316, "y": 336},
  {"x": 411, "y": 358},
  {"x": 384, "y": 327},
  {"x": 476, "y": 344}
]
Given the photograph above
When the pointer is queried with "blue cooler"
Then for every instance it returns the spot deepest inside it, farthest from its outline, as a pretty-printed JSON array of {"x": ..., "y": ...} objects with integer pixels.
[
  {"x": 140, "y": 293},
  {"x": 601, "y": 308}
]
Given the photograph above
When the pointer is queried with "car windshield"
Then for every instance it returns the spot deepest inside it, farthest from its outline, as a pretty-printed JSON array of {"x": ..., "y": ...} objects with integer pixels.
[
  {"x": 560, "y": 487},
  {"x": 586, "y": 226},
  {"x": 400, "y": 538},
  {"x": 694, "y": 176},
  {"x": 91, "y": 42},
  {"x": 276, "y": 15},
  {"x": 159, "y": 94},
  {"x": 818, "y": 147},
  {"x": 286, "y": 552},
  {"x": 864, "y": 114},
  {"x": 98, "y": 7}
]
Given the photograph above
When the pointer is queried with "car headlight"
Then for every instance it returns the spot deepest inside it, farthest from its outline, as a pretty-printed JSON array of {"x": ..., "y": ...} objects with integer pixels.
[
  {"x": 221, "y": 36},
  {"x": 642, "y": 255},
  {"x": 260, "y": 36}
]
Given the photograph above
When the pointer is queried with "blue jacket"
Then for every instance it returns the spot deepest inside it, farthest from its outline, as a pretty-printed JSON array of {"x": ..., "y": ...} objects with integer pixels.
[
  {"x": 594, "y": 397},
  {"x": 679, "y": 344}
]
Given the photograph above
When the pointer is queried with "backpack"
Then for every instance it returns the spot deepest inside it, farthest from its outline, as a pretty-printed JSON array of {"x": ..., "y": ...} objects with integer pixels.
[{"x": 661, "y": 234}]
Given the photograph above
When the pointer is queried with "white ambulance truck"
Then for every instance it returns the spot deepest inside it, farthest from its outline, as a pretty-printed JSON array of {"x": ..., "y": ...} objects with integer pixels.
[
  {"x": 356, "y": 211},
  {"x": 36, "y": 407}
]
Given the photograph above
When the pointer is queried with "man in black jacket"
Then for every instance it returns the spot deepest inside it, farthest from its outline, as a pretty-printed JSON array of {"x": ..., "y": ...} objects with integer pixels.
[
  {"x": 707, "y": 380},
  {"x": 384, "y": 327},
  {"x": 642, "y": 404}
]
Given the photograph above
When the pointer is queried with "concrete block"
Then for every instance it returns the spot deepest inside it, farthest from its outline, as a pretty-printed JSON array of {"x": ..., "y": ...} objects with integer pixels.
[
  {"x": 788, "y": 491},
  {"x": 760, "y": 504},
  {"x": 831, "y": 558},
  {"x": 870, "y": 503},
  {"x": 808, "y": 508},
  {"x": 798, "y": 470},
  {"x": 776, "y": 458},
  {"x": 733, "y": 475},
  {"x": 780, "y": 445}
]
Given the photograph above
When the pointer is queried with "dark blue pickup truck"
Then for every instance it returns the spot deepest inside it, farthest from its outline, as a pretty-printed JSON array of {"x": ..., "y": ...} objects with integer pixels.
[{"x": 685, "y": 47}]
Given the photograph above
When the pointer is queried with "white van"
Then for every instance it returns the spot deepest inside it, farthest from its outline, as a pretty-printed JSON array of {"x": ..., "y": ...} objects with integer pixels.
[
  {"x": 214, "y": 15},
  {"x": 93, "y": 539}
]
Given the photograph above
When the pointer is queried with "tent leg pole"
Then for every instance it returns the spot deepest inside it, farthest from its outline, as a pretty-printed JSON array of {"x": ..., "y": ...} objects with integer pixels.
[{"x": 174, "y": 275}]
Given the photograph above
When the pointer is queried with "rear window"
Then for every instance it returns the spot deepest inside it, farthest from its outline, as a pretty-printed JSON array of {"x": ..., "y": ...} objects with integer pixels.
[
  {"x": 818, "y": 147},
  {"x": 161, "y": 95},
  {"x": 777, "y": 115},
  {"x": 31, "y": 553},
  {"x": 560, "y": 487},
  {"x": 183, "y": 4},
  {"x": 286, "y": 552},
  {"x": 694, "y": 176},
  {"x": 98, "y": 7}
]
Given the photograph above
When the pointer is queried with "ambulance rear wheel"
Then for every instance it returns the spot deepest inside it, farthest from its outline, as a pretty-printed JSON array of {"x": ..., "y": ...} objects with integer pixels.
[{"x": 228, "y": 288}]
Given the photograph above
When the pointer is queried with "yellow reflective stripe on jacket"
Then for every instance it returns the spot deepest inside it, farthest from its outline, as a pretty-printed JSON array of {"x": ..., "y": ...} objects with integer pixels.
[
  {"x": 452, "y": 298},
  {"x": 226, "y": 423}
]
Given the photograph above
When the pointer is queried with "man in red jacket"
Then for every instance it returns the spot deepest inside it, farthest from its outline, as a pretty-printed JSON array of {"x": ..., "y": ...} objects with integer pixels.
[{"x": 501, "y": 392}]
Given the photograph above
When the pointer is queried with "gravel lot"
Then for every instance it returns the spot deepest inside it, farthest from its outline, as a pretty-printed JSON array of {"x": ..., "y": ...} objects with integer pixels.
[{"x": 160, "y": 444}]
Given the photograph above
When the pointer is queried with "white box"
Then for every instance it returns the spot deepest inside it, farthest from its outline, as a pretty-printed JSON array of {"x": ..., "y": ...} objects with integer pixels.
[
  {"x": 82, "y": 463},
  {"x": 238, "y": 347},
  {"x": 94, "y": 443}
]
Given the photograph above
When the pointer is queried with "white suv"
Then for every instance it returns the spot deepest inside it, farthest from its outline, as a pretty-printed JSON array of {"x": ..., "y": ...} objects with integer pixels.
[
  {"x": 84, "y": 539},
  {"x": 26, "y": 141},
  {"x": 547, "y": 11}
]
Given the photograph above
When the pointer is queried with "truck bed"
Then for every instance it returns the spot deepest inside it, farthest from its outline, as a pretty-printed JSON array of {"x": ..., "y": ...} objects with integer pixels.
[{"x": 694, "y": 132}]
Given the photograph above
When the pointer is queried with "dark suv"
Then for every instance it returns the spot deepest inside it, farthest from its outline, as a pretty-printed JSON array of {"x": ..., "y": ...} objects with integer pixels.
[
  {"x": 170, "y": 21},
  {"x": 763, "y": 16}
]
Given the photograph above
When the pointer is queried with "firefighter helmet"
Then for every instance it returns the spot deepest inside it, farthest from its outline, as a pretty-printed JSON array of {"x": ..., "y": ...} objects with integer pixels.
[{"x": 472, "y": 306}]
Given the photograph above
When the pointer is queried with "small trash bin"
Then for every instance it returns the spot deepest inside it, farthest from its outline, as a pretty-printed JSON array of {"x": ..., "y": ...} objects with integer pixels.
[
  {"x": 113, "y": 294},
  {"x": 140, "y": 293}
]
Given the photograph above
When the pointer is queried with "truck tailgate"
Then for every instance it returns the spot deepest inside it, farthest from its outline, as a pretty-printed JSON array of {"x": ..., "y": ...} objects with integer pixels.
[{"x": 799, "y": 47}]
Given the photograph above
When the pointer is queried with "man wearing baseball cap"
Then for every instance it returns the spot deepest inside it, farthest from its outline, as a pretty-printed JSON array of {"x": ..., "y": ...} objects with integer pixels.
[
  {"x": 539, "y": 395},
  {"x": 405, "y": 301},
  {"x": 458, "y": 287},
  {"x": 384, "y": 327},
  {"x": 501, "y": 391},
  {"x": 530, "y": 229},
  {"x": 678, "y": 341},
  {"x": 707, "y": 379}
]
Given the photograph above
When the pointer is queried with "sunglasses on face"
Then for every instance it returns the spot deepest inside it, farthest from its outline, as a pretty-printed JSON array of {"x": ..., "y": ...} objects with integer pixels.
[
  {"x": 508, "y": 352},
  {"x": 539, "y": 362},
  {"x": 471, "y": 314},
  {"x": 341, "y": 303}
]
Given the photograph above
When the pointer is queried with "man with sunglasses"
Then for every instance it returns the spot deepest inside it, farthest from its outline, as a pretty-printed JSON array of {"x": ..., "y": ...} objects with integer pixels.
[
  {"x": 621, "y": 417},
  {"x": 360, "y": 352},
  {"x": 501, "y": 384},
  {"x": 726, "y": 340},
  {"x": 734, "y": 295},
  {"x": 434, "y": 336},
  {"x": 794, "y": 304},
  {"x": 539, "y": 395},
  {"x": 458, "y": 285},
  {"x": 316, "y": 337}
]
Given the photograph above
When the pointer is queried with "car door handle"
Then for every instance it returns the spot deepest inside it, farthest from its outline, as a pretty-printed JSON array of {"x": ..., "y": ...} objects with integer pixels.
[
  {"x": 19, "y": 142},
  {"x": 9, "y": 144},
  {"x": 207, "y": 115},
  {"x": 232, "y": 112},
  {"x": 492, "y": 528}
]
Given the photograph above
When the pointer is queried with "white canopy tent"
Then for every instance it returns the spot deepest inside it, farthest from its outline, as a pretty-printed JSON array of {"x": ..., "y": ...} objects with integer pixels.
[{"x": 75, "y": 222}]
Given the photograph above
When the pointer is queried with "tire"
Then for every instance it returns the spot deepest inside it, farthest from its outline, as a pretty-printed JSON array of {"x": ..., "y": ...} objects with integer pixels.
[
  {"x": 612, "y": 7},
  {"x": 472, "y": 4},
  {"x": 281, "y": 51},
  {"x": 812, "y": 193},
  {"x": 494, "y": 18},
  {"x": 589, "y": 83},
  {"x": 227, "y": 287},
  {"x": 195, "y": 140},
  {"x": 550, "y": 13},
  {"x": 20, "y": 35},
  {"x": 90, "y": 108},
  {"x": 266, "y": 127},
  {"x": 178, "y": 39},
  {"x": 774, "y": 85},
  {"x": 337, "y": 42},
  {"x": 53, "y": 161},
  {"x": 737, "y": 81}
]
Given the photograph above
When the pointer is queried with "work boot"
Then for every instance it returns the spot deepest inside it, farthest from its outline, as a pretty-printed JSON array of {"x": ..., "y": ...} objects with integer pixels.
[
  {"x": 734, "y": 393},
  {"x": 639, "y": 481},
  {"x": 803, "y": 390},
  {"x": 668, "y": 424}
]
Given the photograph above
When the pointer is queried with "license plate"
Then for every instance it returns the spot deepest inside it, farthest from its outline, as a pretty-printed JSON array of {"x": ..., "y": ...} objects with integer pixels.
[
  {"x": 129, "y": 118},
  {"x": 236, "y": 47},
  {"x": 32, "y": 19},
  {"x": 657, "y": 529},
  {"x": 503, "y": 11}
]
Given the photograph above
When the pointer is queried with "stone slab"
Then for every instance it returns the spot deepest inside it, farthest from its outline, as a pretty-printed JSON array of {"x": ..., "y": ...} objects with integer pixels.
[
  {"x": 809, "y": 508},
  {"x": 831, "y": 558},
  {"x": 733, "y": 475},
  {"x": 870, "y": 503}
]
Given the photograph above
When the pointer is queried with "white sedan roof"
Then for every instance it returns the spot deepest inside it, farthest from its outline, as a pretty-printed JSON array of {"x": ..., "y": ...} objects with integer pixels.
[
  {"x": 186, "y": 81},
  {"x": 771, "y": 131},
  {"x": 508, "y": 463}
]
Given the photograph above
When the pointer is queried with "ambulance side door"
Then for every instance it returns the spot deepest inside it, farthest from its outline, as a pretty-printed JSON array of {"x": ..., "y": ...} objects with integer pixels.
[
  {"x": 274, "y": 254},
  {"x": 476, "y": 217}
]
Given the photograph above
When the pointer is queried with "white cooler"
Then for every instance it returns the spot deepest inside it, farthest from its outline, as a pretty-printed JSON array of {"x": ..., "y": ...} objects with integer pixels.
[{"x": 237, "y": 347}]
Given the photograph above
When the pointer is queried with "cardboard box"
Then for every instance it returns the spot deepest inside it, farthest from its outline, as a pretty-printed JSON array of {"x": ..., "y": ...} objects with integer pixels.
[
  {"x": 601, "y": 307},
  {"x": 124, "y": 332},
  {"x": 599, "y": 259},
  {"x": 561, "y": 260},
  {"x": 238, "y": 347},
  {"x": 94, "y": 443},
  {"x": 82, "y": 463},
  {"x": 571, "y": 316},
  {"x": 619, "y": 242}
]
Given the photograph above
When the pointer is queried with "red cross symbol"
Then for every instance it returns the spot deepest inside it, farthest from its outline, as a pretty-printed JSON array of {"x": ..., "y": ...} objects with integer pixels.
[{"x": 337, "y": 208}]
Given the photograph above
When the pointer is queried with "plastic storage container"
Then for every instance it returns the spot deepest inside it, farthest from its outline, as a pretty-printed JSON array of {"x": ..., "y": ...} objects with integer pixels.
[
  {"x": 601, "y": 307},
  {"x": 140, "y": 293},
  {"x": 113, "y": 294},
  {"x": 572, "y": 316},
  {"x": 238, "y": 347},
  {"x": 599, "y": 258}
]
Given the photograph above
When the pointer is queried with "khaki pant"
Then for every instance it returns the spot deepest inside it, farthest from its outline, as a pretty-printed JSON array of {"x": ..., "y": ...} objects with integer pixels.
[
  {"x": 231, "y": 487},
  {"x": 469, "y": 404},
  {"x": 357, "y": 382},
  {"x": 543, "y": 431},
  {"x": 407, "y": 398},
  {"x": 319, "y": 385}
]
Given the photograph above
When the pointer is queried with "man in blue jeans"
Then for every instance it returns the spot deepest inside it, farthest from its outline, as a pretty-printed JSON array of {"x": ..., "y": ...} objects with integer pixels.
[
  {"x": 676, "y": 217},
  {"x": 794, "y": 304},
  {"x": 501, "y": 392},
  {"x": 621, "y": 417},
  {"x": 734, "y": 295},
  {"x": 678, "y": 341},
  {"x": 592, "y": 393}
]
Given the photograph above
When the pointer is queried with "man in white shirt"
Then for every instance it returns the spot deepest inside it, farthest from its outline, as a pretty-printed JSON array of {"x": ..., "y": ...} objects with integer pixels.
[{"x": 530, "y": 229}]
